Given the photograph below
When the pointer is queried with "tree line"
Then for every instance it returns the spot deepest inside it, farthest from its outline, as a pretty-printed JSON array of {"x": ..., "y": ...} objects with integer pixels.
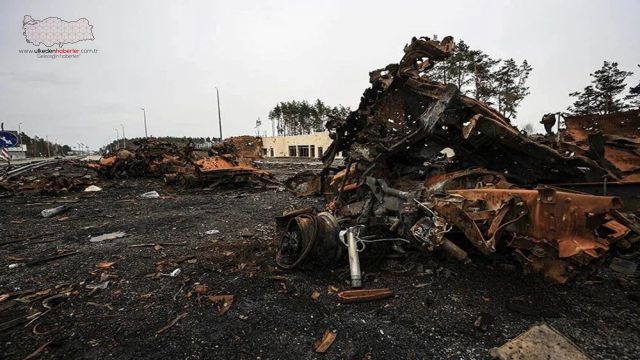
[
  {"x": 496, "y": 82},
  {"x": 604, "y": 94},
  {"x": 180, "y": 141},
  {"x": 301, "y": 117},
  {"x": 37, "y": 147}
]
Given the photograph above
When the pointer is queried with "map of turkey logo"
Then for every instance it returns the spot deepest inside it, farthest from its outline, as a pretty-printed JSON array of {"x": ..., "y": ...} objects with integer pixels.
[{"x": 55, "y": 31}]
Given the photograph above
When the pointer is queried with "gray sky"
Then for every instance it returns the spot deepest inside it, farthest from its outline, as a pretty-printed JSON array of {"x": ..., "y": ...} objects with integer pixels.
[{"x": 168, "y": 55}]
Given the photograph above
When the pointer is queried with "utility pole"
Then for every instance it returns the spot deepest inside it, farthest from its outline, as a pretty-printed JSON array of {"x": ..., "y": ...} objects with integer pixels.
[
  {"x": 145, "y": 122},
  {"x": 124, "y": 138},
  {"x": 559, "y": 116},
  {"x": 20, "y": 135},
  {"x": 219, "y": 117},
  {"x": 48, "y": 147},
  {"x": 273, "y": 127},
  {"x": 117, "y": 137}
]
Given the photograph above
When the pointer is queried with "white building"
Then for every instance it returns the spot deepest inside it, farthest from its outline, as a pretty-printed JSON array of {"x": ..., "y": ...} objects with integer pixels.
[
  {"x": 18, "y": 152},
  {"x": 306, "y": 146}
]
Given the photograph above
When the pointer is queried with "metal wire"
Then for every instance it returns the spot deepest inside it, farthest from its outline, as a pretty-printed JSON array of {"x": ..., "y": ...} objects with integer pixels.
[
  {"x": 361, "y": 242},
  {"x": 425, "y": 207}
]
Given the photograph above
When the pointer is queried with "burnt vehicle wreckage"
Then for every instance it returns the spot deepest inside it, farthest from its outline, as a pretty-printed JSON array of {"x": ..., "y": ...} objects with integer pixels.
[
  {"x": 228, "y": 162},
  {"x": 496, "y": 194}
]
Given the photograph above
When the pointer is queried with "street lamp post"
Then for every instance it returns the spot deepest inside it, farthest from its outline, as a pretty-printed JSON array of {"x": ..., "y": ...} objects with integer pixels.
[
  {"x": 124, "y": 138},
  {"x": 145, "y": 121},
  {"x": 258, "y": 123},
  {"x": 219, "y": 117}
]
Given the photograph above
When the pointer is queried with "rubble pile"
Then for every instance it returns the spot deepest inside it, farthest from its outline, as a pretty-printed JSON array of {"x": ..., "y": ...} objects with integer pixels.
[
  {"x": 59, "y": 179},
  {"x": 224, "y": 163},
  {"x": 54, "y": 184},
  {"x": 495, "y": 193},
  {"x": 151, "y": 157},
  {"x": 245, "y": 147}
]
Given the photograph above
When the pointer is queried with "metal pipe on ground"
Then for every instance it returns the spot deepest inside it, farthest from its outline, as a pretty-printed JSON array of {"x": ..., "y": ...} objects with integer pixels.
[{"x": 354, "y": 260}]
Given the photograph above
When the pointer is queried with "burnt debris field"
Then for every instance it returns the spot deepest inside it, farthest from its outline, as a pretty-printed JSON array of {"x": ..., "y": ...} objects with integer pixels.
[
  {"x": 117, "y": 298},
  {"x": 430, "y": 227}
]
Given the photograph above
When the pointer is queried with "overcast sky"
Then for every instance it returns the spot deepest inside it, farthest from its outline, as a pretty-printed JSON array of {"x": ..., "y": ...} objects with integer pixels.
[{"x": 168, "y": 55}]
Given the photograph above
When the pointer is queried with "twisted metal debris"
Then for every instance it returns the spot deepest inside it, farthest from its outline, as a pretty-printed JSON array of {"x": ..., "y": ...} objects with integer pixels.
[{"x": 493, "y": 195}]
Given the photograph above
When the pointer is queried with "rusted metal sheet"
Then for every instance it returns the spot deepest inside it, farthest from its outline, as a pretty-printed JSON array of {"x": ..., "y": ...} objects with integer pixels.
[
  {"x": 541, "y": 220},
  {"x": 629, "y": 191},
  {"x": 612, "y": 140},
  {"x": 221, "y": 163},
  {"x": 502, "y": 148},
  {"x": 544, "y": 225},
  {"x": 467, "y": 179},
  {"x": 625, "y": 124},
  {"x": 567, "y": 220}
]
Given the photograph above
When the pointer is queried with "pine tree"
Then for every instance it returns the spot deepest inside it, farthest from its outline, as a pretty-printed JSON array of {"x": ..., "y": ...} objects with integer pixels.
[
  {"x": 319, "y": 115},
  {"x": 603, "y": 97},
  {"x": 587, "y": 102},
  {"x": 459, "y": 67},
  {"x": 482, "y": 68},
  {"x": 492, "y": 81},
  {"x": 610, "y": 82},
  {"x": 456, "y": 69},
  {"x": 634, "y": 96},
  {"x": 276, "y": 115},
  {"x": 510, "y": 86}
]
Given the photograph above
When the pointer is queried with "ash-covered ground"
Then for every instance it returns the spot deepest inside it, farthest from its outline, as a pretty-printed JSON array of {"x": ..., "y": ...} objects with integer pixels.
[{"x": 433, "y": 315}]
